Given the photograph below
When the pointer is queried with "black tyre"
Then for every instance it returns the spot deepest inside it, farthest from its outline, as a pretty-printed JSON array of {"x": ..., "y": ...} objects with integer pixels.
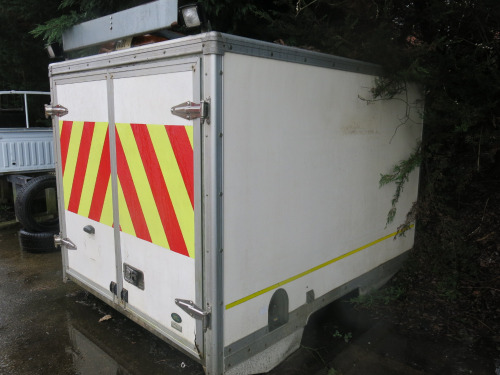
[
  {"x": 37, "y": 242},
  {"x": 32, "y": 205}
]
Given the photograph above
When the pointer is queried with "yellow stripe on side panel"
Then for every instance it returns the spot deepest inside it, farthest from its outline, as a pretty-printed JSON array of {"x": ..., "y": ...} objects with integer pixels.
[
  {"x": 107, "y": 208},
  {"x": 96, "y": 149},
  {"x": 322, "y": 265},
  {"x": 125, "y": 221},
  {"x": 175, "y": 184},
  {"x": 142, "y": 186},
  {"x": 69, "y": 171}
]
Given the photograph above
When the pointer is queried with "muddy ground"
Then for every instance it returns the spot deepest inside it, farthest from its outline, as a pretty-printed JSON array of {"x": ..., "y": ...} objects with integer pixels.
[{"x": 48, "y": 327}]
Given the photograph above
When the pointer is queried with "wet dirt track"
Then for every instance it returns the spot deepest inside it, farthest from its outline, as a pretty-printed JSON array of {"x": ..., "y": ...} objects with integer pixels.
[{"x": 48, "y": 327}]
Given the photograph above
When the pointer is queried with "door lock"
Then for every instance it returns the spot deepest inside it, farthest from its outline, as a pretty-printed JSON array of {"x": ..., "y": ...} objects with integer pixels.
[{"x": 133, "y": 276}]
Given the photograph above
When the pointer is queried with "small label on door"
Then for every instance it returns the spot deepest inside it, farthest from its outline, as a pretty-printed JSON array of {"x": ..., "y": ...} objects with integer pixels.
[{"x": 176, "y": 326}]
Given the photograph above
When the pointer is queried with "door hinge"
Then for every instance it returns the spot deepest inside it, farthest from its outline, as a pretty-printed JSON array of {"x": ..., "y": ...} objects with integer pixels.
[
  {"x": 195, "y": 312},
  {"x": 56, "y": 110},
  {"x": 190, "y": 111},
  {"x": 59, "y": 241}
]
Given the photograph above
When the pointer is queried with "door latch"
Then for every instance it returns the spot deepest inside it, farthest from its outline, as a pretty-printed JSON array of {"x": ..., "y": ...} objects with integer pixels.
[
  {"x": 56, "y": 110},
  {"x": 66, "y": 242},
  {"x": 195, "y": 312}
]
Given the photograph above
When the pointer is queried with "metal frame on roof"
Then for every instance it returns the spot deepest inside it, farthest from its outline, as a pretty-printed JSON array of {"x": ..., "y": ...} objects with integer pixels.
[{"x": 139, "y": 20}]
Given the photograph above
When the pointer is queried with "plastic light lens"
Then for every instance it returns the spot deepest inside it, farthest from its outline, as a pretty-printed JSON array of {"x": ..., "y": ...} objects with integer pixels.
[{"x": 191, "y": 17}]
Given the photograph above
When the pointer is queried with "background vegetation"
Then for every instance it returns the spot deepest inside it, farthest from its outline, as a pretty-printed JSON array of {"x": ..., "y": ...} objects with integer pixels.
[{"x": 450, "y": 47}]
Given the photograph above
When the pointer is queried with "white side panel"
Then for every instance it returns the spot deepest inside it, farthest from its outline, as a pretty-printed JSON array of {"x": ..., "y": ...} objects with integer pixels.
[
  {"x": 86, "y": 101},
  {"x": 303, "y": 156},
  {"x": 148, "y": 99},
  {"x": 95, "y": 255},
  {"x": 169, "y": 273}
]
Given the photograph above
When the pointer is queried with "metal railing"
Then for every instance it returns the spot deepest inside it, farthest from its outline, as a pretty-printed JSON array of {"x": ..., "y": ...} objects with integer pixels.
[{"x": 25, "y": 96}]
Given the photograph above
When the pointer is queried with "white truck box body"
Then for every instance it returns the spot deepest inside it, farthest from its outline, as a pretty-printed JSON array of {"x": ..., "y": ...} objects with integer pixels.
[{"x": 274, "y": 193}]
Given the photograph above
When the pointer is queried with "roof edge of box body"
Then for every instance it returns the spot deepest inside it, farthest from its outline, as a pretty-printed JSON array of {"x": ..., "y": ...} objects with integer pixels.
[
  {"x": 212, "y": 43},
  {"x": 219, "y": 43}
]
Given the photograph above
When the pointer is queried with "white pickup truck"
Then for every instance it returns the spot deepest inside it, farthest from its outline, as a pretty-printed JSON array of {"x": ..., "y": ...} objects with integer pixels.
[
  {"x": 27, "y": 162},
  {"x": 26, "y": 144}
]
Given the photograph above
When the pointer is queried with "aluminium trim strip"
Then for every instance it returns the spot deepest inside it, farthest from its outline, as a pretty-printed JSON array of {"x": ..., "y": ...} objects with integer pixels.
[
  {"x": 311, "y": 270},
  {"x": 103, "y": 293},
  {"x": 168, "y": 66},
  {"x": 218, "y": 43},
  {"x": 169, "y": 49},
  {"x": 213, "y": 214},
  {"x": 114, "y": 186},
  {"x": 198, "y": 221},
  {"x": 149, "y": 323},
  {"x": 59, "y": 180}
]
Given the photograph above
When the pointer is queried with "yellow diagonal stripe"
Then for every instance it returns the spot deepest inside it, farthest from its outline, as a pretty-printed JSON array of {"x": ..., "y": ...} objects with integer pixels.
[
  {"x": 189, "y": 131},
  {"x": 125, "y": 221},
  {"x": 71, "y": 159},
  {"x": 175, "y": 184},
  {"x": 322, "y": 265},
  {"x": 142, "y": 187},
  {"x": 107, "y": 207},
  {"x": 100, "y": 131}
]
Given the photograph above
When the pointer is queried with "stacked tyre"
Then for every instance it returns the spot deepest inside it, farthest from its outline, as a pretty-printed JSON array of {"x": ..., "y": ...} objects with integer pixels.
[{"x": 31, "y": 206}]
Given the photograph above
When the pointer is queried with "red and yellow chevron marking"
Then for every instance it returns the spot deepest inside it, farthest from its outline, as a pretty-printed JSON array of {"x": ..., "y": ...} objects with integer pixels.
[
  {"x": 155, "y": 184},
  {"x": 85, "y": 162},
  {"x": 155, "y": 179}
]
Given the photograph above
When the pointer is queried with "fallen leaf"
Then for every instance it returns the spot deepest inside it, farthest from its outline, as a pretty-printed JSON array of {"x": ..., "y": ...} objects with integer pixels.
[{"x": 105, "y": 317}]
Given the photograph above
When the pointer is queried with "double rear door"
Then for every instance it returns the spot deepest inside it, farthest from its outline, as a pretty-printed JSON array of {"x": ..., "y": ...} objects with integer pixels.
[{"x": 128, "y": 191}]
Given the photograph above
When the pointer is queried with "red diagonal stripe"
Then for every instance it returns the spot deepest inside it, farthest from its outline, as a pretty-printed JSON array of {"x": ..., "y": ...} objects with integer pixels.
[
  {"x": 102, "y": 181},
  {"x": 65, "y": 137},
  {"x": 81, "y": 166},
  {"x": 159, "y": 189},
  {"x": 184, "y": 155},
  {"x": 130, "y": 193}
]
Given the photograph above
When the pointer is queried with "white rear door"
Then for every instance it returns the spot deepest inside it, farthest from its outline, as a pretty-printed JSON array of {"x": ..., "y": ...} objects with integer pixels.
[
  {"x": 84, "y": 165},
  {"x": 155, "y": 164}
]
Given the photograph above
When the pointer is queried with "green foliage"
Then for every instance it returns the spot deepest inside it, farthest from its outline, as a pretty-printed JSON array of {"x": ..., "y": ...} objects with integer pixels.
[
  {"x": 23, "y": 59},
  {"x": 52, "y": 30},
  {"x": 332, "y": 371},
  {"x": 344, "y": 336},
  {"x": 399, "y": 176}
]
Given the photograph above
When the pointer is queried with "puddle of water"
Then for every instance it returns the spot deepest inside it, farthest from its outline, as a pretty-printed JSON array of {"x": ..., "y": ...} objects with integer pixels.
[{"x": 48, "y": 327}]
